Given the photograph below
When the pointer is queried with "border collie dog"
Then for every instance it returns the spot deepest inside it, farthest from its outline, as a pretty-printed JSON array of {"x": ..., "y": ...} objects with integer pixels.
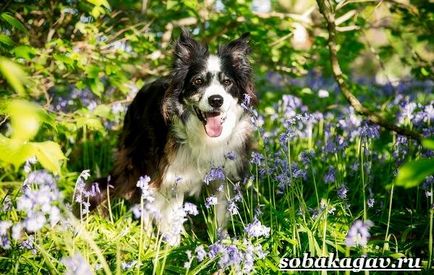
[{"x": 181, "y": 126}]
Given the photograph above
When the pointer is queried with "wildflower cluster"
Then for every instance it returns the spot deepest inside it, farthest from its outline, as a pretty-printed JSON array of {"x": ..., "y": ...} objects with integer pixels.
[
  {"x": 37, "y": 206},
  {"x": 232, "y": 254},
  {"x": 83, "y": 193}
]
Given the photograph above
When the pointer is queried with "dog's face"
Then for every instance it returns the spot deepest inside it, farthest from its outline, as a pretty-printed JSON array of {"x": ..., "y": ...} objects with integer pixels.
[{"x": 207, "y": 90}]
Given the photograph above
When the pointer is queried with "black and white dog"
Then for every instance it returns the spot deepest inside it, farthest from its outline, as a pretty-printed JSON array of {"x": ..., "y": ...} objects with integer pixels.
[{"x": 179, "y": 127}]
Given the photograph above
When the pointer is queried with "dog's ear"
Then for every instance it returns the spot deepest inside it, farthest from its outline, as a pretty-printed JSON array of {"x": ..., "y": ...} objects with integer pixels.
[
  {"x": 237, "y": 53},
  {"x": 239, "y": 49},
  {"x": 186, "y": 48}
]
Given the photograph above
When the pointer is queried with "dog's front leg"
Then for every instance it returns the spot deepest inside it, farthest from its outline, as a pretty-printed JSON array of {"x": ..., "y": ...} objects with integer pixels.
[{"x": 171, "y": 216}]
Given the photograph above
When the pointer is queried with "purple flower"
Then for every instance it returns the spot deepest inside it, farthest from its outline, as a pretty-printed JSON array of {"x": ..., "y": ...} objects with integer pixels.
[
  {"x": 330, "y": 176},
  {"x": 210, "y": 201},
  {"x": 143, "y": 183},
  {"x": 28, "y": 164},
  {"x": 230, "y": 256},
  {"x": 230, "y": 155},
  {"x": 369, "y": 130},
  {"x": 190, "y": 209},
  {"x": 297, "y": 172},
  {"x": 200, "y": 253},
  {"x": 147, "y": 191},
  {"x": 128, "y": 265},
  {"x": 256, "y": 158},
  {"x": 342, "y": 192},
  {"x": 306, "y": 157},
  {"x": 246, "y": 102},
  {"x": 232, "y": 207},
  {"x": 34, "y": 222},
  {"x": 359, "y": 233},
  {"x": 216, "y": 173},
  {"x": 5, "y": 243},
  {"x": 29, "y": 244},
  {"x": 76, "y": 265},
  {"x": 215, "y": 249},
  {"x": 371, "y": 202},
  {"x": 176, "y": 219},
  {"x": 4, "y": 227},
  {"x": 256, "y": 229}
]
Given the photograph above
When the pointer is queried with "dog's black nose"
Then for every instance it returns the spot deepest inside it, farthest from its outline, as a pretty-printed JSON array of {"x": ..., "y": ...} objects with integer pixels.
[{"x": 215, "y": 101}]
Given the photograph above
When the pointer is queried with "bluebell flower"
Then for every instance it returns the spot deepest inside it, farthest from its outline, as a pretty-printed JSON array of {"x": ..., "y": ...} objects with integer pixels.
[
  {"x": 232, "y": 207},
  {"x": 369, "y": 130},
  {"x": 306, "y": 157},
  {"x": 200, "y": 253},
  {"x": 230, "y": 155},
  {"x": 359, "y": 233},
  {"x": 76, "y": 264},
  {"x": 4, "y": 227},
  {"x": 215, "y": 173},
  {"x": 256, "y": 229},
  {"x": 128, "y": 265},
  {"x": 256, "y": 158},
  {"x": 330, "y": 176},
  {"x": 190, "y": 209},
  {"x": 215, "y": 249},
  {"x": 176, "y": 218},
  {"x": 5, "y": 243},
  {"x": 342, "y": 192},
  {"x": 231, "y": 256},
  {"x": 210, "y": 201},
  {"x": 34, "y": 222},
  {"x": 371, "y": 202}
]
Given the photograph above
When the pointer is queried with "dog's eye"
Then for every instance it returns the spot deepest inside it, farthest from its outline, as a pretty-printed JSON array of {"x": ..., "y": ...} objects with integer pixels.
[
  {"x": 227, "y": 82},
  {"x": 198, "y": 81}
]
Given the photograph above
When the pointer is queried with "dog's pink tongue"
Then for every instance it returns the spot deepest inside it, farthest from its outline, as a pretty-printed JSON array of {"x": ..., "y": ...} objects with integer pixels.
[{"x": 213, "y": 126}]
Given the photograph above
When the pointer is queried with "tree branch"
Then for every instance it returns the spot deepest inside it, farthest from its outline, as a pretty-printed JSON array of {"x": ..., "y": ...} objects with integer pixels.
[{"x": 325, "y": 8}]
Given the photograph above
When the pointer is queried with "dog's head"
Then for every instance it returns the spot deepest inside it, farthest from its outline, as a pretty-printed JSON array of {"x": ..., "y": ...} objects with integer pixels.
[{"x": 207, "y": 89}]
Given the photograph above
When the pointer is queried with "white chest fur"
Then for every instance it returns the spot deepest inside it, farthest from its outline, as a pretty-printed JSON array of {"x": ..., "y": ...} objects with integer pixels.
[{"x": 199, "y": 153}]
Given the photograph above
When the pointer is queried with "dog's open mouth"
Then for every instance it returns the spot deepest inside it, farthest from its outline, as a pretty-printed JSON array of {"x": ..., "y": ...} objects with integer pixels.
[{"x": 212, "y": 122}]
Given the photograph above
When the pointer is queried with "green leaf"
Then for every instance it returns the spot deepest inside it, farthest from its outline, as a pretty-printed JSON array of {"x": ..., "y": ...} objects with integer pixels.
[
  {"x": 49, "y": 155},
  {"x": 6, "y": 40},
  {"x": 14, "y": 75},
  {"x": 25, "y": 119},
  {"x": 96, "y": 86},
  {"x": 102, "y": 111},
  {"x": 99, "y": 3},
  {"x": 413, "y": 173},
  {"x": 13, "y": 21},
  {"x": 15, "y": 152},
  {"x": 24, "y": 51},
  {"x": 428, "y": 143}
]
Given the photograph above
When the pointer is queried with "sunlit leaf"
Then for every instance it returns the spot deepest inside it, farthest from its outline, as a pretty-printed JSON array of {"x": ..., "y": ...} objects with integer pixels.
[
  {"x": 49, "y": 155},
  {"x": 13, "y": 21},
  {"x": 24, "y": 51},
  {"x": 15, "y": 152},
  {"x": 98, "y": 3},
  {"x": 428, "y": 143},
  {"x": 6, "y": 40},
  {"x": 102, "y": 111},
  {"x": 25, "y": 119},
  {"x": 14, "y": 75},
  {"x": 413, "y": 173}
]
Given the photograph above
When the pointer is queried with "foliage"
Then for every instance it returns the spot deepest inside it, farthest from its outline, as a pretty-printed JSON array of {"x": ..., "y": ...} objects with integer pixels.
[{"x": 68, "y": 70}]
